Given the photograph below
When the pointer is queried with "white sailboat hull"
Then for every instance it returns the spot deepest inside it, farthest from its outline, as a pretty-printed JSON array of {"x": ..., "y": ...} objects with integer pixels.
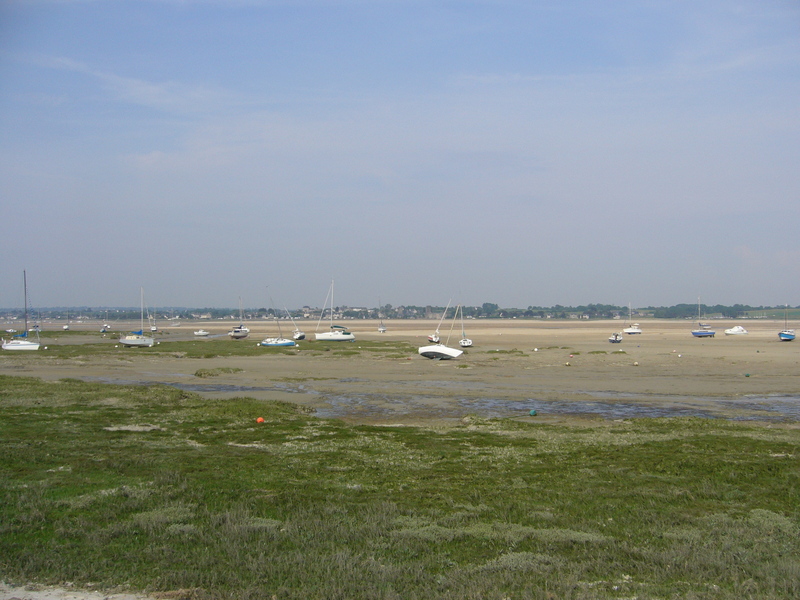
[
  {"x": 16, "y": 344},
  {"x": 239, "y": 333},
  {"x": 138, "y": 341},
  {"x": 278, "y": 341},
  {"x": 335, "y": 336},
  {"x": 440, "y": 352}
]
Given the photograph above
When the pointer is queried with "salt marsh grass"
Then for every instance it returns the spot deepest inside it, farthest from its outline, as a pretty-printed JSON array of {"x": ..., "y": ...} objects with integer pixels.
[{"x": 156, "y": 489}]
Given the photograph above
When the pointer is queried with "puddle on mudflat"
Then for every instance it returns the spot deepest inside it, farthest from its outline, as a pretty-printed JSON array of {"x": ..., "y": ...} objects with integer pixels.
[
  {"x": 782, "y": 408},
  {"x": 748, "y": 408}
]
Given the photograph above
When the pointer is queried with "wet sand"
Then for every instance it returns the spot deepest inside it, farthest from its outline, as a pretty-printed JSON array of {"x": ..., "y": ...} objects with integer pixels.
[{"x": 563, "y": 370}]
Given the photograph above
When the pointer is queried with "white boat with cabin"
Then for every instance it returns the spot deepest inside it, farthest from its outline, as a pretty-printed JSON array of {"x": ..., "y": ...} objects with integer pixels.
[
  {"x": 634, "y": 328},
  {"x": 736, "y": 330},
  {"x": 239, "y": 332},
  {"x": 137, "y": 339},
  {"x": 337, "y": 333},
  {"x": 21, "y": 341}
]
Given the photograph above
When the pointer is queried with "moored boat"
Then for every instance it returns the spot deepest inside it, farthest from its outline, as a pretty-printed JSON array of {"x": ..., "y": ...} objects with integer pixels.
[
  {"x": 21, "y": 341},
  {"x": 736, "y": 330},
  {"x": 337, "y": 333},
  {"x": 239, "y": 332},
  {"x": 137, "y": 339},
  {"x": 787, "y": 335}
]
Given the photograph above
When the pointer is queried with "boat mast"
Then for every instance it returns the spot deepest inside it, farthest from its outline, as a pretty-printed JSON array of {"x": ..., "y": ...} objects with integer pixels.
[{"x": 25, "y": 289}]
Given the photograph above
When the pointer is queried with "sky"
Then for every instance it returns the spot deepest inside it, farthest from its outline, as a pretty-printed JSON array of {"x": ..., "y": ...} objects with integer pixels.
[{"x": 518, "y": 152}]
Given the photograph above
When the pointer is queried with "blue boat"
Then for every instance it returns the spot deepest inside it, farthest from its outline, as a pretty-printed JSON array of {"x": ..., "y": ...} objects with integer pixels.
[
  {"x": 787, "y": 335},
  {"x": 703, "y": 330},
  {"x": 701, "y": 333}
]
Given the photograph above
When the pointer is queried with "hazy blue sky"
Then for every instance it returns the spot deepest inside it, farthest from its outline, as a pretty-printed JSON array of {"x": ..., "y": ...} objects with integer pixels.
[{"x": 520, "y": 152}]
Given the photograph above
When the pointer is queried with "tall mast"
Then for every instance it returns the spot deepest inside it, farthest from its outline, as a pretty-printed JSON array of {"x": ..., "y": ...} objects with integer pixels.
[{"x": 25, "y": 288}]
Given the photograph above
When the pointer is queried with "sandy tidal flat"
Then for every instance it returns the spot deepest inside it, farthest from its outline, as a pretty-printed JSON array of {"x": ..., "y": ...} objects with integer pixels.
[{"x": 559, "y": 369}]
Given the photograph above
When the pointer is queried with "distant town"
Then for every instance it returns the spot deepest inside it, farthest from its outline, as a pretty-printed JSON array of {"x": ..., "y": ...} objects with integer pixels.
[{"x": 487, "y": 310}]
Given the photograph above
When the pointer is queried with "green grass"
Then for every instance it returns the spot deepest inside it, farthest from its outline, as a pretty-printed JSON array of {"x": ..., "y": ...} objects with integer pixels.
[{"x": 156, "y": 489}]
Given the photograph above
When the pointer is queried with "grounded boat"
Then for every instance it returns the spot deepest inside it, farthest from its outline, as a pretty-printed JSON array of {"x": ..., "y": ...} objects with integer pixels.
[
  {"x": 137, "y": 339},
  {"x": 434, "y": 337},
  {"x": 787, "y": 335},
  {"x": 437, "y": 350},
  {"x": 616, "y": 338},
  {"x": 440, "y": 352},
  {"x": 21, "y": 341},
  {"x": 239, "y": 332},
  {"x": 703, "y": 330},
  {"x": 296, "y": 334},
  {"x": 464, "y": 342},
  {"x": 337, "y": 333},
  {"x": 736, "y": 330},
  {"x": 201, "y": 333},
  {"x": 279, "y": 341},
  {"x": 634, "y": 328}
]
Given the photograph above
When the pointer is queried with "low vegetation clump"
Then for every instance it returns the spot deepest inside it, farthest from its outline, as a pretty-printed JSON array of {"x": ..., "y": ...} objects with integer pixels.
[
  {"x": 204, "y": 373},
  {"x": 160, "y": 490}
]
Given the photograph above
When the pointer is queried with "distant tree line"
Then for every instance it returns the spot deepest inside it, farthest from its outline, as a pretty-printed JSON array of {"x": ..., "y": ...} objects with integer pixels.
[{"x": 488, "y": 310}]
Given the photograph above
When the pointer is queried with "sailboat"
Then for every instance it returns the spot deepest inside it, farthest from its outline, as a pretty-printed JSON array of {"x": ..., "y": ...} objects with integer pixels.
[
  {"x": 381, "y": 326},
  {"x": 464, "y": 342},
  {"x": 702, "y": 330},
  {"x": 138, "y": 338},
  {"x": 787, "y": 335},
  {"x": 337, "y": 333},
  {"x": 296, "y": 334},
  {"x": 434, "y": 337},
  {"x": 239, "y": 332},
  {"x": 634, "y": 328},
  {"x": 21, "y": 341},
  {"x": 66, "y": 327},
  {"x": 280, "y": 340},
  {"x": 437, "y": 350}
]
